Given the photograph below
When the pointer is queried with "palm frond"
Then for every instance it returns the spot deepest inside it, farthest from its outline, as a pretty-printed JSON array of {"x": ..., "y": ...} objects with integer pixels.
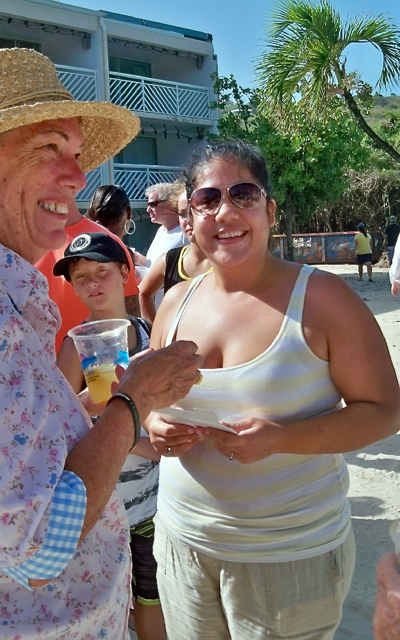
[
  {"x": 381, "y": 33},
  {"x": 306, "y": 41}
]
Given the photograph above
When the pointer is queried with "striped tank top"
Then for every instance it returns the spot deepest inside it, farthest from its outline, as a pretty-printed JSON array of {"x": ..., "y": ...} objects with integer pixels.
[{"x": 284, "y": 507}]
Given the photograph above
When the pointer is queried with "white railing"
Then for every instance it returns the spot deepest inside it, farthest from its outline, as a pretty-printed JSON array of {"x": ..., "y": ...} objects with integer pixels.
[
  {"x": 161, "y": 97},
  {"x": 82, "y": 83},
  {"x": 94, "y": 181},
  {"x": 174, "y": 98},
  {"x": 139, "y": 94},
  {"x": 135, "y": 178}
]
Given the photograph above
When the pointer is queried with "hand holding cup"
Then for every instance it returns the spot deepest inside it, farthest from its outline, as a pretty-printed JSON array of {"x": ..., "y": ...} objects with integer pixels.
[{"x": 160, "y": 378}]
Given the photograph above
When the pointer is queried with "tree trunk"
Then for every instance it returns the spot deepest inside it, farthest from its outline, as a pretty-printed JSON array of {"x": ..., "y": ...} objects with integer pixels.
[
  {"x": 289, "y": 229},
  {"x": 378, "y": 142}
]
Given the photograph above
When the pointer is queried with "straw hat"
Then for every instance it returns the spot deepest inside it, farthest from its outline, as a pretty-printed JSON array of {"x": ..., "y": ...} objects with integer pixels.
[{"x": 31, "y": 92}]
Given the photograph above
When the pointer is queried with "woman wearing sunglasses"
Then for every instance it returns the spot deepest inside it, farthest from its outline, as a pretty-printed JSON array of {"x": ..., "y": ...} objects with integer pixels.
[{"x": 253, "y": 532}]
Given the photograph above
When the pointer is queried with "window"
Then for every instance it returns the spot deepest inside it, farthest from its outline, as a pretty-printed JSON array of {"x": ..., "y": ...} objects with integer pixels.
[
  {"x": 131, "y": 67},
  {"x": 8, "y": 43},
  {"x": 142, "y": 150}
]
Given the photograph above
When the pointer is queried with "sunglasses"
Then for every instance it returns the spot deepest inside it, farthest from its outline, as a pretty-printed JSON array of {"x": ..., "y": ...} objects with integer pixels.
[
  {"x": 153, "y": 203},
  {"x": 207, "y": 200}
]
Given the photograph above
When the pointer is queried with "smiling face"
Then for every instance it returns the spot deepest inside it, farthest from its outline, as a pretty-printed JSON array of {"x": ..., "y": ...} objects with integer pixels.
[
  {"x": 39, "y": 176},
  {"x": 100, "y": 285},
  {"x": 232, "y": 236}
]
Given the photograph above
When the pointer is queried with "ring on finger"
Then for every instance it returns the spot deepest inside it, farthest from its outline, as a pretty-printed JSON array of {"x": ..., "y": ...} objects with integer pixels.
[{"x": 170, "y": 453}]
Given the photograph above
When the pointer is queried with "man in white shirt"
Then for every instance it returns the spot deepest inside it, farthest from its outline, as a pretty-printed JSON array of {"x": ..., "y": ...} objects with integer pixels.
[{"x": 162, "y": 212}]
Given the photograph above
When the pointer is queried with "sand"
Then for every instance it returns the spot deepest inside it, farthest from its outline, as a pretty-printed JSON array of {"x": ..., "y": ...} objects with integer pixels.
[{"x": 374, "y": 471}]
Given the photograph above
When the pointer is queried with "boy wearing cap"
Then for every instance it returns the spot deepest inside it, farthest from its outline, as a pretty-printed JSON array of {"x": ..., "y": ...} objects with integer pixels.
[
  {"x": 97, "y": 267},
  {"x": 72, "y": 310},
  {"x": 392, "y": 231}
]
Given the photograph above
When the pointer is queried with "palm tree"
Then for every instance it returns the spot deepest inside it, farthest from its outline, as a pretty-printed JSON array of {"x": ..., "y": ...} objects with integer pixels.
[{"x": 306, "y": 47}]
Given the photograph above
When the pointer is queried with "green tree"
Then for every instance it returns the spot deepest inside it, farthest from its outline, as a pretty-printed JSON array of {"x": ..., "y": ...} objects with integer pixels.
[
  {"x": 306, "y": 46},
  {"x": 310, "y": 163},
  {"x": 308, "y": 160},
  {"x": 238, "y": 111}
]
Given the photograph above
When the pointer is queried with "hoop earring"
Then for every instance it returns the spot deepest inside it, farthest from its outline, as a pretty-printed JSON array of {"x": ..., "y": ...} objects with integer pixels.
[{"x": 128, "y": 228}]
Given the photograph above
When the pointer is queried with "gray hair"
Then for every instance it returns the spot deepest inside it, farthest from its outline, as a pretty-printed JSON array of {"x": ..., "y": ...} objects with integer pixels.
[{"x": 164, "y": 190}]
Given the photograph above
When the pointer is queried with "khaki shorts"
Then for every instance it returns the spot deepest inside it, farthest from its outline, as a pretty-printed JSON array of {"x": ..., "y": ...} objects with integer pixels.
[{"x": 205, "y": 598}]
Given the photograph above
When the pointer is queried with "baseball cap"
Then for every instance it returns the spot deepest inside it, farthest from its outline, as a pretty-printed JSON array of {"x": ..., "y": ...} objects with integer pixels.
[
  {"x": 99, "y": 247},
  {"x": 361, "y": 225},
  {"x": 393, "y": 219}
]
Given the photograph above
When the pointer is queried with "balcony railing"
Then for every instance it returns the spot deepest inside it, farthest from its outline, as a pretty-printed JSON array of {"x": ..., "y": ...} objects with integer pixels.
[
  {"x": 135, "y": 178},
  {"x": 158, "y": 97},
  {"x": 82, "y": 83},
  {"x": 94, "y": 181},
  {"x": 142, "y": 95},
  {"x": 161, "y": 97}
]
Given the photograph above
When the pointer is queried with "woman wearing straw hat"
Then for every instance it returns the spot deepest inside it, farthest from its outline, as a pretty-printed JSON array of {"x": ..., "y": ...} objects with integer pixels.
[{"x": 64, "y": 561}]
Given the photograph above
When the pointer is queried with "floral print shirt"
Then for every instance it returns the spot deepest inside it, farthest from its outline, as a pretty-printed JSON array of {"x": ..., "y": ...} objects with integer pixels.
[{"x": 41, "y": 420}]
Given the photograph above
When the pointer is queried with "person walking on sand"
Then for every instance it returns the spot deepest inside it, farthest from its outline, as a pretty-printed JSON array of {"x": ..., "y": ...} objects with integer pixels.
[
  {"x": 392, "y": 232},
  {"x": 363, "y": 245}
]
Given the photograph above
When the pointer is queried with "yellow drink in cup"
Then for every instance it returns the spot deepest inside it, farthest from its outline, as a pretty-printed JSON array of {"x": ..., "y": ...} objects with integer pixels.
[
  {"x": 99, "y": 382},
  {"x": 102, "y": 345}
]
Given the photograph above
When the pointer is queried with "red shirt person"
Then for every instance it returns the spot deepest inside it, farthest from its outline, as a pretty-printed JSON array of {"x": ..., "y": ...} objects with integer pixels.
[{"x": 72, "y": 310}]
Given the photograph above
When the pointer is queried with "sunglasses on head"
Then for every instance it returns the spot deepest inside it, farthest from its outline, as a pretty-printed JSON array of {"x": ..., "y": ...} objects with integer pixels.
[
  {"x": 207, "y": 200},
  {"x": 153, "y": 203}
]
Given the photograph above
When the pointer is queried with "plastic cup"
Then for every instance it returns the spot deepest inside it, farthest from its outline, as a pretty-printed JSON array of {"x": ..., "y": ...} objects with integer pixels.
[
  {"x": 101, "y": 345},
  {"x": 142, "y": 271}
]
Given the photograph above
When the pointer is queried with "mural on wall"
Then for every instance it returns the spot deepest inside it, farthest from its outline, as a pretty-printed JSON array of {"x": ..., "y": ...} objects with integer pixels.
[{"x": 318, "y": 248}]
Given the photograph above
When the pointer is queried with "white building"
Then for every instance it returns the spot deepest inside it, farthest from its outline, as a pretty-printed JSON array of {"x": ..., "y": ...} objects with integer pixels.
[{"x": 161, "y": 72}]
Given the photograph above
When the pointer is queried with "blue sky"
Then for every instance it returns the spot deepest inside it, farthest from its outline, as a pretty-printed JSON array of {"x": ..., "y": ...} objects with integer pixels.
[{"x": 239, "y": 28}]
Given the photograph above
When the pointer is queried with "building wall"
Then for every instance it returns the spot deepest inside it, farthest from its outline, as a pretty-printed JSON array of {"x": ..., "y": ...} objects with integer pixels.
[{"x": 176, "y": 58}]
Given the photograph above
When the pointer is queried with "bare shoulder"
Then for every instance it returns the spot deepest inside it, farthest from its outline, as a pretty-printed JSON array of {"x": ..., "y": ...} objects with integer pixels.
[
  {"x": 330, "y": 295},
  {"x": 341, "y": 329},
  {"x": 67, "y": 347},
  {"x": 166, "y": 313},
  {"x": 335, "y": 319}
]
